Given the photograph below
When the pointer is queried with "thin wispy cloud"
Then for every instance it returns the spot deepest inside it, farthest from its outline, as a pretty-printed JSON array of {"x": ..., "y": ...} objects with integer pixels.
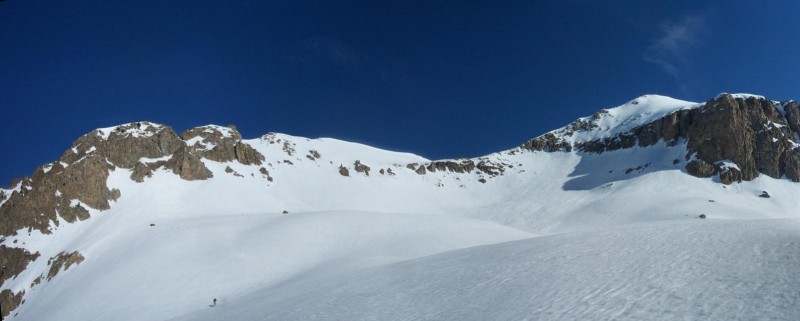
[{"x": 675, "y": 42}]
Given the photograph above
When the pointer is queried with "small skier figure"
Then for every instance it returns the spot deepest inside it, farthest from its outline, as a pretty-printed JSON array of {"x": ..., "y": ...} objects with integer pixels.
[{"x": 215, "y": 303}]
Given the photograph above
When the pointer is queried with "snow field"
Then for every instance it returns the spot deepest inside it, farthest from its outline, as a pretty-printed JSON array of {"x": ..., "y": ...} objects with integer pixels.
[{"x": 558, "y": 236}]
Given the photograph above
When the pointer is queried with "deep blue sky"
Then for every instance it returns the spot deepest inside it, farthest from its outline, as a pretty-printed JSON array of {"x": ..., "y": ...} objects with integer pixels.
[{"x": 444, "y": 79}]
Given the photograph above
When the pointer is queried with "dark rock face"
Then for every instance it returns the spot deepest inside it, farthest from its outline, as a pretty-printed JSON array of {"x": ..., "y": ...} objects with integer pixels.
[
  {"x": 188, "y": 166},
  {"x": 81, "y": 174},
  {"x": 63, "y": 260},
  {"x": 700, "y": 169},
  {"x": 221, "y": 144},
  {"x": 489, "y": 168},
  {"x": 74, "y": 213},
  {"x": 548, "y": 143},
  {"x": 12, "y": 262},
  {"x": 671, "y": 128},
  {"x": 10, "y": 301},
  {"x": 480, "y": 165},
  {"x": 361, "y": 168},
  {"x": 792, "y": 114},
  {"x": 125, "y": 146},
  {"x": 50, "y": 191},
  {"x": 462, "y": 166},
  {"x": 752, "y": 133},
  {"x": 140, "y": 171}
]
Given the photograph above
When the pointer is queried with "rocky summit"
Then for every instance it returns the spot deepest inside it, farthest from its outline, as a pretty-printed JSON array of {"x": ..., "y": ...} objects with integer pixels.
[
  {"x": 736, "y": 137},
  {"x": 130, "y": 193}
]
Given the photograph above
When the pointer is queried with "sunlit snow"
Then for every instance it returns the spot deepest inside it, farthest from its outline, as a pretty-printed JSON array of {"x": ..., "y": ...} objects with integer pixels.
[{"x": 557, "y": 236}]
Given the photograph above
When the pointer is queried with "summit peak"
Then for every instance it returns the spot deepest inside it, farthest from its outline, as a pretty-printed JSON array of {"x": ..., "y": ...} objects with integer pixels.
[{"x": 135, "y": 129}]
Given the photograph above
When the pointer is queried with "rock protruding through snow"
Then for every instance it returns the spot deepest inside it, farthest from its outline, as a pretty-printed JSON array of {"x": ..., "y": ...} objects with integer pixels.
[
  {"x": 736, "y": 137},
  {"x": 221, "y": 144},
  {"x": 594, "y": 164}
]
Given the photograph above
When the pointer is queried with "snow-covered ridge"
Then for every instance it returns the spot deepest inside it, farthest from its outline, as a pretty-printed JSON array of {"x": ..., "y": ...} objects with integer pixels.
[
  {"x": 605, "y": 123},
  {"x": 134, "y": 129},
  {"x": 621, "y": 119},
  {"x": 330, "y": 149},
  {"x": 740, "y": 96},
  {"x": 226, "y": 131},
  {"x": 277, "y": 227}
]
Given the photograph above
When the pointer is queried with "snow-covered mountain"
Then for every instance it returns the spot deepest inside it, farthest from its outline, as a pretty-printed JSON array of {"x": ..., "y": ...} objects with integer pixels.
[{"x": 594, "y": 220}]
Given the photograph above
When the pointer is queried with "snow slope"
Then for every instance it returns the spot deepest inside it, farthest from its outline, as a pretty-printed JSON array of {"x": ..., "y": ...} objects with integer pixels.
[
  {"x": 696, "y": 270},
  {"x": 590, "y": 234}
]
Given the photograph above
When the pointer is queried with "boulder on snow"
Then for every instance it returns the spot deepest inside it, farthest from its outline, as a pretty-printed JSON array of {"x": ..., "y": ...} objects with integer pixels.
[{"x": 361, "y": 168}]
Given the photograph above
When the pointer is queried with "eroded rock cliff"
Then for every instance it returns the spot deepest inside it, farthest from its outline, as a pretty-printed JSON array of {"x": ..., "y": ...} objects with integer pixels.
[{"x": 734, "y": 136}]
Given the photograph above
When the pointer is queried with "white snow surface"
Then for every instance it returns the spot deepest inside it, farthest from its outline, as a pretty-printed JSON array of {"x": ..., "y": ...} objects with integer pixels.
[
  {"x": 640, "y": 111},
  {"x": 130, "y": 130},
  {"x": 742, "y": 96},
  {"x": 695, "y": 270},
  {"x": 558, "y": 236}
]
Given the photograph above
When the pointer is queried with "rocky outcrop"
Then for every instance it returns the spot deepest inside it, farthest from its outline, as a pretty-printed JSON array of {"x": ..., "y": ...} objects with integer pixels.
[
  {"x": 9, "y": 301},
  {"x": 13, "y": 261},
  {"x": 72, "y": 213},
  {"x": 265, "y": 173},
  {"x": 52, "y": 190},
  {"x": 548, "y": 143},
  {"x": 188, "y": 166},
  {"x": 126, "y": 144},
  {"x": 750, "y": 133},
  {"x": 140, "y": 171},
  {"x": 63, "y": 260},
  {"x": 461, "y": 166},
  {"x": 670, "y": 129},
  {"x": 361, "y": 168},
  {"x": 490, "y": 168},
  {"x": 68, "y": 189},
  {"x": 221, "y": 144},
  {"x": 700, "y": 169},
  {"x": 75, "y": 186},
  {"x": 483, "y": 165},
  {"x": 735, "y": 137},
  {"x": 792, "y": 113},
  {"x": 551, "y": 142},
  {"x": 216, "y": 143},
  {"x": 81, "y": 173}
]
